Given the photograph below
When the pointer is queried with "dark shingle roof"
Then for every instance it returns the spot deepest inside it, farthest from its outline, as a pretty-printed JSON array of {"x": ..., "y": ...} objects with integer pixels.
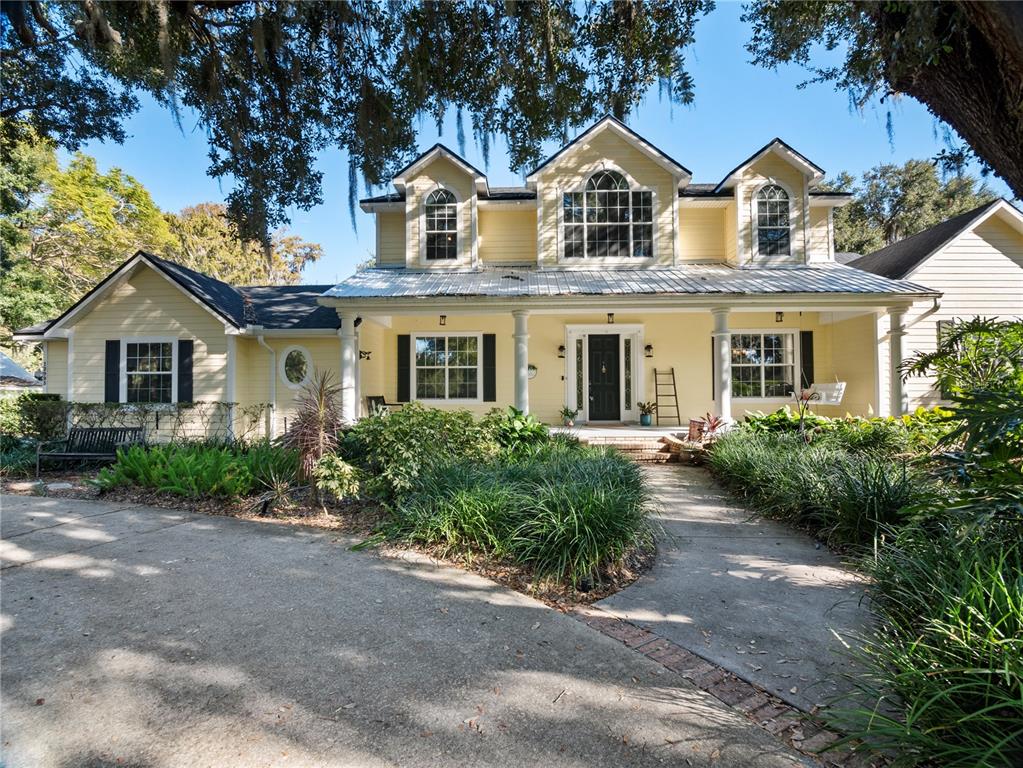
[
  {"x": 899, "y": 259},
  {"x": 274, "y": 307},
  {"x": 290, "y": 306}
]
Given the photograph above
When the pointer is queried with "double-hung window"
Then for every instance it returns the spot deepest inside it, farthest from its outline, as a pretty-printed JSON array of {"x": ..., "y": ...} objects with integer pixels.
[
  {"x": 608, "y": 220},
  {"x": 441, "y": 214},
  {"x": 773, "y": 222},
  {"x": 149, "y": 371},
  {"x": 763, "y": 364},
  {"x": 447, "y": 367}
]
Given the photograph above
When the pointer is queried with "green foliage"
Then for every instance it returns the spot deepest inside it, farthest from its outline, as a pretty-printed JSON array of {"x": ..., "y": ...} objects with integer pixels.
[
  {"x": 566, "y": 511},
  {"x": 515, "y": 430},
  {"x": 17, "y": 455},
  {"x": 394, "y": 448},
  {"x": 273, "y": 85},
  {"x": 980, "y": 353},
  {"x": 35, "y": 415},
  {"x": 945, "y": 661},
  {"x": 846, "y": 495},
  {"x": 891, "y": 202},
  {"x": 200, "y": 469},
  {"x": 335, "y": 476},
  {"x": 943, "y": 54}
]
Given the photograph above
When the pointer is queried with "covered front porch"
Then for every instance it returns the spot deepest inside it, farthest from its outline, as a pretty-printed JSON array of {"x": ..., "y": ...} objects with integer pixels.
[{"x": 602, "y": 358}]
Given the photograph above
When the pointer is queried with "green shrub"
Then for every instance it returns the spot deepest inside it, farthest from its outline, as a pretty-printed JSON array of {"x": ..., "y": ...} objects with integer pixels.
[
  {"x": 515, "y": 430},
  {"x": 335, "y": 476},
  {"x": 17, "y": 456},
  {"x": 566, "y": 511},
  {"x": 200, "y": 469},
  {"x": 842, "y": 495},
  {"x": 945, "y": 662},
  {"x": 394, "y": 448}
]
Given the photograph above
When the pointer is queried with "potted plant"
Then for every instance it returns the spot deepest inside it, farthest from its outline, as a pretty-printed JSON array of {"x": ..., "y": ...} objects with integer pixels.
[
  {"x": 646, "y": 413},
  {"x": 712, "y": 427},
  {"x": 568, "y": 416}
]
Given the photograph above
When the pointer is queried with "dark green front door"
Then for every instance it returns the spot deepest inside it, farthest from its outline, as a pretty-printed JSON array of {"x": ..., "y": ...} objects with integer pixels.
[{"x": 605, "y": 363}]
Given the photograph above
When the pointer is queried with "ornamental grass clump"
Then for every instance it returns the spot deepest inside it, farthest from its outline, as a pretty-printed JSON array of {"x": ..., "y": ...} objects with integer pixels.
[{"x": 565, "y": 512}]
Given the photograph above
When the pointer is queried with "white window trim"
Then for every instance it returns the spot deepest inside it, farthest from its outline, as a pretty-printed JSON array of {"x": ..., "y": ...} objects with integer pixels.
[
  {"x": 282, "y": 359},
  {"x": 122, "y": 395},
  {"x": 634, "y": 331},
  {"x": 796, "y": 362},
  {"x": 460, "y": 236},
  {"x": 755, "y": 256},
  {"x": 478, "y": 335},
  {"x": 634, "y": 186}
]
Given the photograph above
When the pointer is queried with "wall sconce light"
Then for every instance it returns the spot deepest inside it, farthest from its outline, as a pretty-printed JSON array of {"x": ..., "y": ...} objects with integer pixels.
[
  {"x": 779, "y": 317},
  {"x": 364, "y": 355},
  {"x": 648, "y": 350},
  {"x": 610, "y": 318},
  {"x": 358, "y": 322},
  {"x": 561, "y": 352},
  {"x": 443, "y": 319}
]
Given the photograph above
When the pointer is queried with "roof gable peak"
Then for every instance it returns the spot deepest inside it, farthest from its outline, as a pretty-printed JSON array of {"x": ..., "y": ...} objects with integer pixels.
[
  {"x": 785, "y": 151},
  {"x": 439, "y": 150},
  {"x": 610, "y": 122}
]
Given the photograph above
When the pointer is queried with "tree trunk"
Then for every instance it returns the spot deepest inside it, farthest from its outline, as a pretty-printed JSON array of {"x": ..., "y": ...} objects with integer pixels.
[{"x": 977, "y": 88}]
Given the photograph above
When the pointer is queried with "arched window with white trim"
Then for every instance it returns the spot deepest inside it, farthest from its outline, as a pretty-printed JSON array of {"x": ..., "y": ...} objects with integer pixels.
[
  {"x": 608, "y": 220},
  {"x": 774, "y": 237},
  {"x": 441, "y": 214}
]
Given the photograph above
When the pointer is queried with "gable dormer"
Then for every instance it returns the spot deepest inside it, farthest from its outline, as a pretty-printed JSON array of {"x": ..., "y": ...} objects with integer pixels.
[
  {"x": 769, "y": 220},
  {"x": 608, "y": 198},
  {"x": 440, "y": 192}
]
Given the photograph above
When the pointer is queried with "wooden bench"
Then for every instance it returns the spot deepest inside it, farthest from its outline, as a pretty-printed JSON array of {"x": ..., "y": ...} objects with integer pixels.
[{"x": 89, "y": 444}]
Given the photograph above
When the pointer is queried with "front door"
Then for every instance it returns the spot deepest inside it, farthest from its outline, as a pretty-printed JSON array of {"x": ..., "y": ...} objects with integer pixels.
[{"x": 605, "y": 388}]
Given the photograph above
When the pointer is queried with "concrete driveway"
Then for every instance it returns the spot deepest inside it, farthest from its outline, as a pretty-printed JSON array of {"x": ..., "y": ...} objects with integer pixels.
[
  {"x": 757, "y": 597},
  {"x": 142, "y": 637}
]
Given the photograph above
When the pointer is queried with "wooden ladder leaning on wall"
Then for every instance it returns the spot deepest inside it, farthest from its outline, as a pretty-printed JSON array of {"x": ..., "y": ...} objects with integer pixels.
[{"x": 666, "y": 395}]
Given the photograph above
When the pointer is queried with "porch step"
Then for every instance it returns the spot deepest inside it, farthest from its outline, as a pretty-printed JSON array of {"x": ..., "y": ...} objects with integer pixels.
[{"x": 652, "y": 449}]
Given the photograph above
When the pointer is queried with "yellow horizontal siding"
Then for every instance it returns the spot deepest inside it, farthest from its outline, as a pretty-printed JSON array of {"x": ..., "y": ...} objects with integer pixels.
[
  {"x": 702, "y": 234},
  {"x": 391, "y": 239},
  {"x": 56, "y": 367},
  {"x": 508, "y": 236},
  {"x": 819, "y": 235},
  {"x": 770, "y": 169},
  {"x": 147, "y": 305}
]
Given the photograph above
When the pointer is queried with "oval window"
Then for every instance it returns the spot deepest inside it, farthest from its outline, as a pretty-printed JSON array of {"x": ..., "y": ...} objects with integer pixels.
[{"x": 296, "y": 367}]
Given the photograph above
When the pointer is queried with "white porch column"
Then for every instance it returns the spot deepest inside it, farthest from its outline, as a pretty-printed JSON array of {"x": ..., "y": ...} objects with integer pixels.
[
  {"x": 349, "y": 352},
  {"x": 521, "y": 359},
  {"x": 722, "y": 364},
  {"x": 896, "y": 331}
]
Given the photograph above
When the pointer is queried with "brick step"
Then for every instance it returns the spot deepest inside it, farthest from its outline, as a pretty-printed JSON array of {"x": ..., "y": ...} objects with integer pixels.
[{"x": 652, "y": 456}]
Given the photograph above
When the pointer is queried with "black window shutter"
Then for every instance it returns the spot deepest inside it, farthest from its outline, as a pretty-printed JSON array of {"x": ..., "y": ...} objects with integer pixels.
[
  {"x": 806, "y": 358},
  {"x": 185, "y": 348},
  {"x": 489, "y": 367},
  {"x": 404, "y": 374},
  {"x": 112, "y": 372}
]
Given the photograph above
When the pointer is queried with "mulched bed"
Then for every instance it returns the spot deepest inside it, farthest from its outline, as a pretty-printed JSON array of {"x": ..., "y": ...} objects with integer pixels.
[{"x": 355, "y": 518}]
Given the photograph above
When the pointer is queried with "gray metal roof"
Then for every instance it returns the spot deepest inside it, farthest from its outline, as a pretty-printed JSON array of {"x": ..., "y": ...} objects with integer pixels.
[{"x": 684, "y": 280}]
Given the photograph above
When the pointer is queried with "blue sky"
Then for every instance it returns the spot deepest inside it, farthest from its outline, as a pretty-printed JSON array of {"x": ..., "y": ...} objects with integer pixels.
[{"x": 738, "y": 108}]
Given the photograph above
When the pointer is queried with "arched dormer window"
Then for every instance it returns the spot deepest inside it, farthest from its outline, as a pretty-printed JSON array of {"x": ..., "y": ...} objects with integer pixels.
[
  {"x": 773, "y": 222},
  {"x": 441, "y": 211},
  {"x": 608, "y": 220}
]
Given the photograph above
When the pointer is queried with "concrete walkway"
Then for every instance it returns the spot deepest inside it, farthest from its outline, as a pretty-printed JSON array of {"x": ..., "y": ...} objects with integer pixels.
[
  {"x": 754, "y": 596},
  {"x": 150, "y": 638}
]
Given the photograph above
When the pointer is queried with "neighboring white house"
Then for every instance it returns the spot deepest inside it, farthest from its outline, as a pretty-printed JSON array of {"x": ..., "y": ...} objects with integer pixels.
[
  {"x": 975, "y": 260},
  {"x": 14, "y": 378}
]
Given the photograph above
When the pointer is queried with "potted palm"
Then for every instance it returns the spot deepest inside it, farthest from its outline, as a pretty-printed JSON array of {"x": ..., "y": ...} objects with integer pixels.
[
  {"x": 646, "y": 413},
  {"x": 568, "y": 416}
]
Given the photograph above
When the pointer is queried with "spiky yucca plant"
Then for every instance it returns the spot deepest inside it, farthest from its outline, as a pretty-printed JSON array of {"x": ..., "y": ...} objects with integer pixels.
[{"x": 316, "y": 425}]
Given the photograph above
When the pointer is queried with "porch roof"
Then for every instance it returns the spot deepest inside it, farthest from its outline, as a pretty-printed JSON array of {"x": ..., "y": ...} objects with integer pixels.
[{"x": 691, "y": 279}]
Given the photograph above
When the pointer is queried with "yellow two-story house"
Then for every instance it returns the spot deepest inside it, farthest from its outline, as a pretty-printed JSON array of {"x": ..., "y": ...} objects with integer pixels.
[{"x": 607, "y": 280}]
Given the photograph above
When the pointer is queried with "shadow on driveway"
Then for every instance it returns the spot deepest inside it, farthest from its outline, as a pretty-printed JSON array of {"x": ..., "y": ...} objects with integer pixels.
[{"x": 144, "y": 637}]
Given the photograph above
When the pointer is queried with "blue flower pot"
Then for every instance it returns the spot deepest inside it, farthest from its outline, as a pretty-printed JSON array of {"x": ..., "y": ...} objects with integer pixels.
[{"x": 646, "y": 419}]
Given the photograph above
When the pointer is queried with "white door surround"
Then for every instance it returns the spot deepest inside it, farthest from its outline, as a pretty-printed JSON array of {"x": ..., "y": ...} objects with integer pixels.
[{"x": 630, "y": 348}]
